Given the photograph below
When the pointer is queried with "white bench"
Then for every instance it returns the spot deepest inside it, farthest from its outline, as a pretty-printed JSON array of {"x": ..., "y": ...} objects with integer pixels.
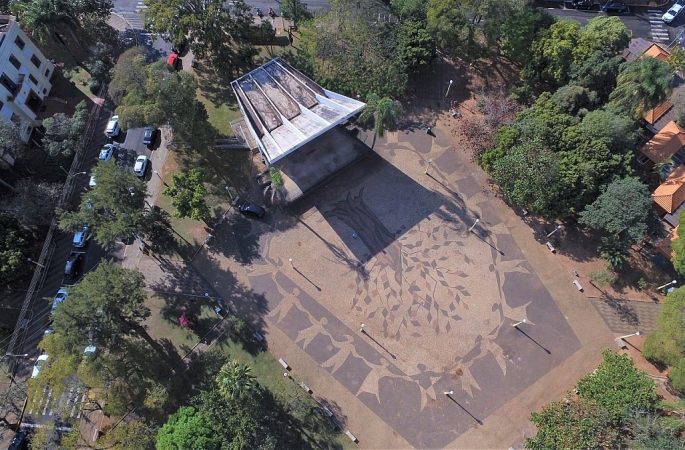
[
  {"x": 351, "y": 436},
  {"x": 284, "y": 364},
  {"x": 580, "y": 288},
  {"x": 551, "y": 247},
  {"x": 305, "y": 387}
]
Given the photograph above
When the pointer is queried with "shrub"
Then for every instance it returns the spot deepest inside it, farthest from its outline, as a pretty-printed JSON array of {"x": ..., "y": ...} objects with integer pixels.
[
  {"x": 276, "y": 179},
  {"x": 659, "y": 350},
  {"x": 677, "y": 376},
  {"x": 604, "y": 277},
  {"x": 94, "y": 86}
]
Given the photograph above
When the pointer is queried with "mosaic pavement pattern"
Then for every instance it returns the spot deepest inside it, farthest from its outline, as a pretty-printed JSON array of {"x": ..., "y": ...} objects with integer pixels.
[{"x": 443, "y": 298}]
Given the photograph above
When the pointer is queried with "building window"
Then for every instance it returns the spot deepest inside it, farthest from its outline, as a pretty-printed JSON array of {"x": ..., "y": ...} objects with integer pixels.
[
  {"x": 15, "y": 62},
  {"x": 47, "y": 73},
  {"x": 15, "y": 119},
  {"x": 33, "y": 79},
  {"x": 9, "y": 84},
  {"x": 642, "y": 159},
  {"x": 19, "y": 43},
  {"x": 2, "y": 104},
  {"x": 36, "y": 61}
]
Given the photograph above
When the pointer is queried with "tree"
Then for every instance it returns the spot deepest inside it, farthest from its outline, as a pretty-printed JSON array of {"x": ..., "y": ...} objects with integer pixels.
[
  {"x": 294, "y": 10},
  {"x": 113, "y": 208},
  {"x": 520, "y": 30},
  {"x": 33, "y": 204},
  {"x": 130, "y": 75},
  {"x": 641, "y": 85},
  {"x": 676, "y": 60},
  {"x": 625, "y": 206},
  {"x": 235, "y": 380},
  {"x": 188, "y": 428},
  {"x": 136, "y": 435},
  {"x": 64, "y": 134},
  {"x": 619, "y": 387},
  {"x": 606, "y": 33},
  {"x": 597, "y": 73},
  {"x": 574, "y": 99},
  {"x": 678, "y": 100},
  {"x": 14, "y": 248},
  {"x": 678, "y": 247},
  {"x": 188, "y": 193},
  {"x": 665, "y": 346},
  {"x": 385, "y": 113},
  {"x": 572, "y": 424},
  {"x": 615, "y": 251},
  {"x": 415, "y": 45},
  {"x": 12, "y": 147},
  {"x": 552, "y": 54}
]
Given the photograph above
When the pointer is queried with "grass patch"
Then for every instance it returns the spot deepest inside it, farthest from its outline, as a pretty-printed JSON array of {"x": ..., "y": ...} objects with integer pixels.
[{"x": 220, "y": 114}]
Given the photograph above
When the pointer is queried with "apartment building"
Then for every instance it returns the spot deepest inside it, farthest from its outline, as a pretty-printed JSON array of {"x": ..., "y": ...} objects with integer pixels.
[{"x": 24, "y": 78}]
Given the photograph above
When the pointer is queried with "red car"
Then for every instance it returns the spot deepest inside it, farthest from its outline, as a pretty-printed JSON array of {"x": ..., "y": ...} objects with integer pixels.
[{"x": 173, "y": 60}]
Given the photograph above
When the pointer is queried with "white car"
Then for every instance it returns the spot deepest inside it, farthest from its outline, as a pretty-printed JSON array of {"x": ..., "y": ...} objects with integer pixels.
[
  {"x": 59, "y": 298},
  {"x": 106, "y": 152},
  {"x": 113, "y": 128},
  {"x": 40, "y": 362},
  {"x": 141, "y": 166},
  {"x": 671, "y": 14}
]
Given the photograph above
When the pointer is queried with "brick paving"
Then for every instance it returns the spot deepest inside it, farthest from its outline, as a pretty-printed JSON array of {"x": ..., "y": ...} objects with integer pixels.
[{"x": 626, "y": 316}]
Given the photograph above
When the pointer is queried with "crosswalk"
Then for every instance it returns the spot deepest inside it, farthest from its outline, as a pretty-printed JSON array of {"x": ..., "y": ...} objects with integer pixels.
[
  {"x": 69, "y": 404},
  {"x": 659, "y": 31},
  {"x": 140, "y": 7},
  {"x": 134, "y": 19}
]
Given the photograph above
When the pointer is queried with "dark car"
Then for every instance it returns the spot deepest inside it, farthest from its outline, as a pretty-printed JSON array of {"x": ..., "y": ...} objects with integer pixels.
[
  {"x": 149, "y": 136},
  {"x": 18, "y": 441},
  {"x": 614, "y": 7},
  {"x": 250, "y": 209},
  {"x": 73, "y": 266},
  {"x": 583, "y": 4}
]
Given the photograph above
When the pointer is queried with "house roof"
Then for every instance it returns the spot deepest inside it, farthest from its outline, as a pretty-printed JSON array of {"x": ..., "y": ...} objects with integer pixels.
[
  {"x": 655, "y": 114},
  {"x": 655, "y": 51},
  {"x": 284, "y": 109},
  {"x": 636, "y": 48},
  {"x": 671, "y": 193},
  {"x": 665, "y": 143}
]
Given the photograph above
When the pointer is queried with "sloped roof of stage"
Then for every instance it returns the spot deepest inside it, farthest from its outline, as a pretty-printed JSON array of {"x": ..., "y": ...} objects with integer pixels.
[{"x": 284, "y": 109}]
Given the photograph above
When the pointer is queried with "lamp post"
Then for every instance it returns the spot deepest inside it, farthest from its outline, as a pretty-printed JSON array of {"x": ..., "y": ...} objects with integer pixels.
[
  {"x": 36, "y": 263},
  {"x": 474, "y": 224},
  {"x": 515, "y": 325},
  {"x": 290, "y": 260},
  {"x": 12, "y": 355},
  {"x": 448, "y": 88},
  {"x": 554, "y": 230},
  {"x": 448, "y": 393},
  {"x": 672, "y": 282},
  {"x": 361, "y": 329},
  {"x": 160, "y": 178},
  {"x": 637, "y": 333},
  {"x": 430, "y": 161}
]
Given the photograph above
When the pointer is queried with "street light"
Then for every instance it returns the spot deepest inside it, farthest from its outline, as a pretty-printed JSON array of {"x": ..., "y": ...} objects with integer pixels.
[
  {"x": 554, "y": 230},
  {"x": 515, "y": 325},
  {"x": 448, "y": 88},
  {"x": 637, "y": 333},
  {"x": 474, "y": 224},
  {"x": 672, "y": 282},
  {"x": 361, "y": 329},
  {"x": 36, "y": 263},
  {"x": 448, "y": 393},
  {"x": 290, "y": 260},
  {"x": 430, "y": 161},
  {"x": 12, "y": 355}
]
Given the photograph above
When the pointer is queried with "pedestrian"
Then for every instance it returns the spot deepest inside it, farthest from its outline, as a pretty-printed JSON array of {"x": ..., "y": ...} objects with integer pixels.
[{"x": 354, "y": 236}]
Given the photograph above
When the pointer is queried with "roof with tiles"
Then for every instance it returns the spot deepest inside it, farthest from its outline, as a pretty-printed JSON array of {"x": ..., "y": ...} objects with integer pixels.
[{"x": 665, "y": 143}]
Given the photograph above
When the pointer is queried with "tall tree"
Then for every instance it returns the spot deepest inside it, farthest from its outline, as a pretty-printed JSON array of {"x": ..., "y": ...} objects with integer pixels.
[
  {"x": 552, "y": 54},
  {"x": 384, "y": 111},
  {"x": 606, "y": 33},
  {"x": 294, "y": 10},
  {"x": 597, "y": 73},
  {"x": 520, "y": 30},
  {"x": 64, "y": 134},
  {"x": 235, "y": 381},
  {"x": 624, "y": 207},
  {"x": 188, "y": 194},
  {"x": 188, "y": 428},
  {"x": 641, "y": 85},
  {"x": 14, "y": 249},
  {"x": 33, "y": 205}
]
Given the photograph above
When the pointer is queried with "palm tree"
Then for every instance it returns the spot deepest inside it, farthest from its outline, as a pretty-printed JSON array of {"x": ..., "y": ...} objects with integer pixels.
[
  {"x": 43, "y": 17},
  {"x": 641, "y": 85},
  {"x": 385, "y": 113},
  {"x": 235, "y": 380}
]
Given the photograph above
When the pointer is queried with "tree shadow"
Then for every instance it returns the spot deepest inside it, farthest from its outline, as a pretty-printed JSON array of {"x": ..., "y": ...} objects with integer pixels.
[{"x": 215, "y": 87}]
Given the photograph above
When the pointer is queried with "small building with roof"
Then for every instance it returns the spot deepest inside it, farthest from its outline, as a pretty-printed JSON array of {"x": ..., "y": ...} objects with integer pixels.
[
  {"x": 664, "y": 145},
  {"x": 670, "y": 195},
  {"x": 295, "y": 125}
]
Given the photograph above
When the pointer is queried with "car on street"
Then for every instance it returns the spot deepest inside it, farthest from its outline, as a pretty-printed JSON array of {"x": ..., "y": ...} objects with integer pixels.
[
  {"x": 81, "y": 237},
  {"x": 106, "y": 152},
  {"x": 150, "y": 136},
  {"x": 19, "y": 440},
  {"x": 92, "y": 183},
  {"x": 59, "y": 298},
  {"x": 614, "y": 7},
  {"x": 670, "y": 15},
  {"x": 40, "y": 363},
  {"x": 251, "y": 210},
  {"x": 583, "y": 4},
  {"x": 113, "y": 128},
  {"x": 140, "y": 166},
  {"x": 173, "y": 60},
  {"x": 73, "y": 266}
]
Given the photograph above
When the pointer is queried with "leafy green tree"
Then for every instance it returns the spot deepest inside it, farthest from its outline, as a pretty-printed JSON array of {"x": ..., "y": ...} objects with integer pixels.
[
  {"x": 33, "y": 204},
  {"x": 14, "y": 248},
  {"x": 188, "y": 193},
  {"x": 552, "y": 54},
  {"x": 130, "y": 75},
  {"x": 384, "y": 111},
  {"x": 136, "y": 435},
  {"x": 113, "y": 208},
  {"x": 625, "y": 206},
  {"x": 294, "y": 10},
  {"x": 652, "y": 431},
  {"x": 597, "y": 73},
  {"x": 235, "y": 380},
  {"x": 601, "y": 33},
  {"x": 665, "y": 346},
  {"x": 414, "y": 9},
  {"x": 11, "y": 145},
  {"x": 615, "y": 251},
  {"x": 573, "y": 424},
  {"x": 446, "y": 22},
  {"x": 188, "y": 428},
  {"x": 415, "y": 45},
  {"x": 520, "y": 30},
  {"x": 619, "y": 387},
  {"x": 574, "y": 99},
  {"x": 641, "y": 85},
  {"x": 676, "y": 60},
  {"x": 678, "y": 247},
  {"x": 64, "y": 134},
  {"x": 678, "y": 100}
]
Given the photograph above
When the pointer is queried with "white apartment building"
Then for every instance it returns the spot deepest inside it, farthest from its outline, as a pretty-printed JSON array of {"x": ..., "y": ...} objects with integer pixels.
[{"x": 24, "y": 78}]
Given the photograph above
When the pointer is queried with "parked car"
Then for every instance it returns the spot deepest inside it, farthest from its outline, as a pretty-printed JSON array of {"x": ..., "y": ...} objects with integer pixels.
[
  {"x": 614, "y": 7},
  {"x": 583, "y": 4},
  {"x": 252, "y": 210},
  {"x": 150, "y": 136},
  {"x": 173, "y": 60},
  {"x": 81, "y": 237},
  {"x": 106, "y": 152},
  {"x": 73, "y": 266},
  {"x": 18, "y": 441},
  {"x": 113, "y": 128},
  {"x": 59, "y": 298},
  {"x": 92, "y": 183},
  {"x": 671, "y": 14},
  {"x": 40, "y": 363},
  {"x": 140, "y": 166}
]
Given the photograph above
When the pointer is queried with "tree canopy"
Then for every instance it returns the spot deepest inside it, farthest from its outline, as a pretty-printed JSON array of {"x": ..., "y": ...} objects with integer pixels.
[
  {"x": 64, "y": 134},
  {"x": 188, "y": 194},
  {"x": 641, "y": 85},
  {"x": 384, "y": 111}
]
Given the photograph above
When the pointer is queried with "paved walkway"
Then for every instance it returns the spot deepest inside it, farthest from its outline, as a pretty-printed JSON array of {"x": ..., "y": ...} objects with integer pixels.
[{"x": 626, "y": 316}]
